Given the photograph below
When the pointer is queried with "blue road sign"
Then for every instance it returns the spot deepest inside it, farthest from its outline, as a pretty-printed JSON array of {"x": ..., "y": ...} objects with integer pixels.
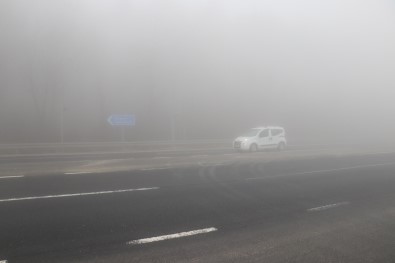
[{"x": 122, "y": 120}]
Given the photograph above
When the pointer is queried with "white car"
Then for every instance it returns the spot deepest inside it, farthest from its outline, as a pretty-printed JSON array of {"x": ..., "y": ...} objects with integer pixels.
[{"x": 261, "y": 138}]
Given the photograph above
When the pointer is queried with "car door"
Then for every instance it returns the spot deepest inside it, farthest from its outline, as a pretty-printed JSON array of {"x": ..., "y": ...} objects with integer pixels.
[
  {"x": 275, "y": 136},
  {"x": 263, "y": 139}
]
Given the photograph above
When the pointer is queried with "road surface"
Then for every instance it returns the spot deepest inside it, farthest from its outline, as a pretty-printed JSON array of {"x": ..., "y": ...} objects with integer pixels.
[{"x": 322, "y": 209}]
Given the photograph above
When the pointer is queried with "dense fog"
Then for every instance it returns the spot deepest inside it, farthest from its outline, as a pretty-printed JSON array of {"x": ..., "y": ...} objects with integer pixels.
[{"x": 197, "y": 69}]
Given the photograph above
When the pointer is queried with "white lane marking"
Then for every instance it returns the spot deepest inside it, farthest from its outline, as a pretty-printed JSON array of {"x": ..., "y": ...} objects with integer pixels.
[
  {"x": 325, "y": 207},
  {"x": 323, "y": 171},
  {"x": 11, "y": 176},
  {"x": 162, "y": 157},
  {"x": 77, "y": 173},
  {"x": 3, "y": 261},
  {"x": 172, "y": 236},
  {"x": 229, "y": 154},
  {"x": 78, "y": 194}
]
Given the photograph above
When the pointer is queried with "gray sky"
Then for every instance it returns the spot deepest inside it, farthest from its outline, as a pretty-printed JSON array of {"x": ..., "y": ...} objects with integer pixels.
[{"x": 219, "y": 67}]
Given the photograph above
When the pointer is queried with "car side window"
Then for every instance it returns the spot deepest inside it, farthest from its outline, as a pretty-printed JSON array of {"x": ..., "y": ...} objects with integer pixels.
[
  {"x": 264, "y": 133},
  {"x": 276, "y": 132}
]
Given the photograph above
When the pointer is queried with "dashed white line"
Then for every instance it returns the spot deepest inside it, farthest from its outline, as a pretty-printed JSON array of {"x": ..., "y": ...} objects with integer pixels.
[
  {"x": 9, "y": 177},
  {"x": 199, "y": 156},
  {"x": 72, "y": 173},
  {"x": 325, "y": 207},
  {"x": 3, "y": 261},
  {"x": 78, "y": 194},
  {"x": 323, "y": 171},
  {"x": 172, "y": 236},
  {"x": 162, "y": 157}
]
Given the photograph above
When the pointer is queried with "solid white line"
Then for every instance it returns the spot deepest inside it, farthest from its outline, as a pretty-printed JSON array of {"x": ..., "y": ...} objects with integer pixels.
[
  {"x": 3, "y": 261},
  {"x": 77, "y": 173},
  {"x": 324, "y": 171},
  {"x": 78, "y": 194},
  {"x": 325, "y": 207},
  {"x": 11, "y": 176},
  {"x": 172, "y": 236}
]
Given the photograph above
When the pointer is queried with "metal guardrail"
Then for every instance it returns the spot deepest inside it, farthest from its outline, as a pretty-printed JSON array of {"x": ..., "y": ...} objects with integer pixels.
[
  {"x": 52, "y": 148},
  {"x": 112, "y": 143},
  {"x": 140, "y": 146}
]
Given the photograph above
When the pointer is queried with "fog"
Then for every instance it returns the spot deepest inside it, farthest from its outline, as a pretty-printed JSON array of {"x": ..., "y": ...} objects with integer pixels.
[{"x": 195, "y": 69}]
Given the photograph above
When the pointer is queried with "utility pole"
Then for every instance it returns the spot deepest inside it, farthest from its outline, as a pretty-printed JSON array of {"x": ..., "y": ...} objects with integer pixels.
[
  {"x": 173, "y": 126},
  {"x": 172, "y": 99},
  {"x": 62, "y": 122}
]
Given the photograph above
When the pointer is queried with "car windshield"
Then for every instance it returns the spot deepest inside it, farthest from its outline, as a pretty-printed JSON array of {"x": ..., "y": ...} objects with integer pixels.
[{"x": 250, "y": 133}]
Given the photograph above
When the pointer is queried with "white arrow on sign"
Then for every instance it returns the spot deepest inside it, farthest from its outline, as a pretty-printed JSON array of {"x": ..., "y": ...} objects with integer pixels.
[{"x": 122, "y": 120}]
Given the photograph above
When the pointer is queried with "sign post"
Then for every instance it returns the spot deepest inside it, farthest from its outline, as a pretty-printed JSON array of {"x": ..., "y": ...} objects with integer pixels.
[{"x": 122, "y": 121}]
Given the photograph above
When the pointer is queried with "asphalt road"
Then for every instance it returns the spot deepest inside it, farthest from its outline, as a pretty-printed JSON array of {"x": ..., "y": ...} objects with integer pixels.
[{"x": 328, "y": 209}]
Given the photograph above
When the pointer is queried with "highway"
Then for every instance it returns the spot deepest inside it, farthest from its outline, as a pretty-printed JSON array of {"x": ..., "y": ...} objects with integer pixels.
[{"x": 263, "y": 207}]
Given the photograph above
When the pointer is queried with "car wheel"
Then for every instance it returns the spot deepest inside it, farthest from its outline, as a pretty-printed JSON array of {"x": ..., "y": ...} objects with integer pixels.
[
  {"x": 253, "y": 148},
  {"x": 281, "y": 146}
]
